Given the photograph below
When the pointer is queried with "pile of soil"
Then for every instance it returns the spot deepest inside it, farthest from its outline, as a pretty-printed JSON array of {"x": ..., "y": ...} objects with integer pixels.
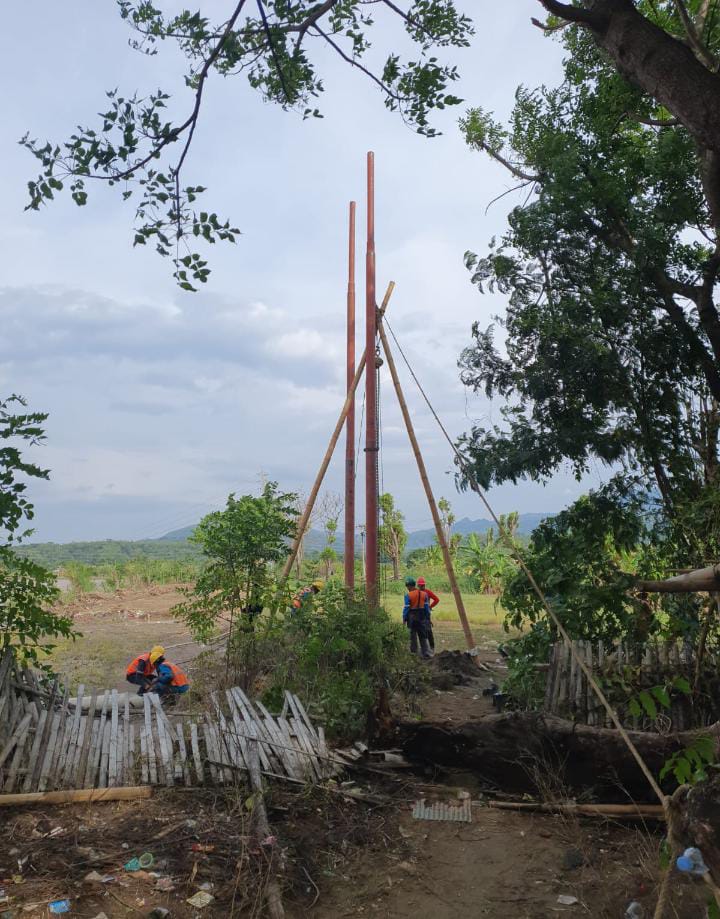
[{"x": 453, "y": 668}]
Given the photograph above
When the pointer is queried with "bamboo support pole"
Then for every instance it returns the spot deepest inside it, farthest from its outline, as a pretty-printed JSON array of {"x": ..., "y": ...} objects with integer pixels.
[
  {"x": 654, "y": 811},
  {"x": 428, "y": 489},
  {"x": 371, "y": 408},
  {"x": 305, "y": 518},
  {"x": 76, "y": 795}
]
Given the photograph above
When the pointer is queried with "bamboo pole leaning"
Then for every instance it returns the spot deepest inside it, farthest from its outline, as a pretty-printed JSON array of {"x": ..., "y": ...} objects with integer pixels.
[
  {"x": 428, "y": 488},
  {"x": 307, "y": 513}
]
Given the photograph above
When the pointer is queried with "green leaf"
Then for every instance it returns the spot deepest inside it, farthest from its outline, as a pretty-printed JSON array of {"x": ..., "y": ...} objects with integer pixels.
[
  {"x": 646, "y": 700},
  {"x": 682, "y": 685},
  {"x": 661, "y": 695},
  {"x": 634, "y": 708}
]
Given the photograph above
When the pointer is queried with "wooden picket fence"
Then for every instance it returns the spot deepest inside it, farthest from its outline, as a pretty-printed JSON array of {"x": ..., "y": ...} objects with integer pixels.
[
  {"x": 49, "y": 741},
  {"x": 624, "y": 670}
]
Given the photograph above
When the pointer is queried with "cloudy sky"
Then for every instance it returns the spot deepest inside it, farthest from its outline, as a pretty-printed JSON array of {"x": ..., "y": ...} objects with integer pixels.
[{"x": 162, "y": 402}]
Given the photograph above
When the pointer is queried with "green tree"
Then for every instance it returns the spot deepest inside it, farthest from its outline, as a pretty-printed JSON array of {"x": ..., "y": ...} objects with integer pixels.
[
  {"x": 608, "y": 354},
  {"x": 27, "y": 590},
  {"x": 242, "y": 544},
  {"x": 141, "y": 150},
  {"x": 487, "y": 559},
  {"x": 329, "y": 511},
  {"x": 392, "y": 535},
  {"x": 670, "y": 49}
]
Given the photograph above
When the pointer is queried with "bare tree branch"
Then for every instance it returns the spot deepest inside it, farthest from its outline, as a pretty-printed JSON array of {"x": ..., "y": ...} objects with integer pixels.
[{"x": 346, "y": 57}]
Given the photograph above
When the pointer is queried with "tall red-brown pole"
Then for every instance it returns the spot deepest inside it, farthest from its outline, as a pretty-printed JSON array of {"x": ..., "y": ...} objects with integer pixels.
[
  {"x": 371, "y": 427},
  {"x": 350, "y": 423}
]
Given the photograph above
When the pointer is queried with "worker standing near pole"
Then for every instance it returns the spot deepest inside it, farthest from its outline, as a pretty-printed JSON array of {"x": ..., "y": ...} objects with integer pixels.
[
  {"x": 433, "y": 601},
  {"x": 416, "y": 613}
]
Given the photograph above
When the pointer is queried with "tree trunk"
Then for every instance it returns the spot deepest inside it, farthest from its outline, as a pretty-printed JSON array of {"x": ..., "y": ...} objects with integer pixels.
[{"x": 529, "y": 752}]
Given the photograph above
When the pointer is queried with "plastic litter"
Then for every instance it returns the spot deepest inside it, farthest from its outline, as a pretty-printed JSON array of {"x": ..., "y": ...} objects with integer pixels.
[
  {"x": 146, "y": 860},
  {"x": 691, "y": 862},
  {"x": 101, "y": 916},
  {"x": 566, "y": 900},
  {"x": 200, "y": 900},
  {"x": 159, "y": 913},
  {"x": 59, "y": 906},
  {"x": 635, "y": 911}
]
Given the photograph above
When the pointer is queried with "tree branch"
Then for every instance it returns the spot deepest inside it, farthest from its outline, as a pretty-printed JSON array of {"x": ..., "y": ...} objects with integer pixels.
[
  {"x": 694, "y": 39},
  {"x": 353, "y": 63},
  {"x": 574, "y": 13},
  {"x": 511, "y": 167}
]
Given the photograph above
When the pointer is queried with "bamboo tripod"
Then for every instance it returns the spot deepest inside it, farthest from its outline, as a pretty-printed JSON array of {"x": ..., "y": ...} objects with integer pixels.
[{"x": 374, "y": 321}]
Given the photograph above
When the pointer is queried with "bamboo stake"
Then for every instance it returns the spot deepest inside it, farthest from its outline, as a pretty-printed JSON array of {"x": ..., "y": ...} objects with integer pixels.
[
  {"x": 305, "y": 519},
  {"x": 93, "y": 795},
  {"x": 654, "y": 811},
  {"x": 428, "y": 489},
  {"x": 262, "y": 831}
]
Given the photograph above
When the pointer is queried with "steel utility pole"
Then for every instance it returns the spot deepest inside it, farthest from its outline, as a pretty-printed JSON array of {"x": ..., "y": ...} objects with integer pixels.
[
  {"x": 371, "y": 427},
  {"x": 349, "y": 551}
]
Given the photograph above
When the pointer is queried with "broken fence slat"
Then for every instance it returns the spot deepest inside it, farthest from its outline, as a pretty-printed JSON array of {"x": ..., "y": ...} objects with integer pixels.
[
  {"x": 86, "y": 744},
  {"x": 195, "y": 747}
]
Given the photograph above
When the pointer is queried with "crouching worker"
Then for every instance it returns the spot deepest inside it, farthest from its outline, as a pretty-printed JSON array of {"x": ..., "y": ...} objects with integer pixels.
[
  {"x": 416, "y": 614},
  {"x": 141, "y": 672},
  {"x": 170, "y": 679}
]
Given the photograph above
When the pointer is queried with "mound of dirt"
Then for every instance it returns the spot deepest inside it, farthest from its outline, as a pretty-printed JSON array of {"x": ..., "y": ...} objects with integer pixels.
[{"x": 453, "y": 668}]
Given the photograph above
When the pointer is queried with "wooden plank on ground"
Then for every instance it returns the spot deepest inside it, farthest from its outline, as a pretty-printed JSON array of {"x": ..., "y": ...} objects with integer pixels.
[{"x": 71, "y": 796}]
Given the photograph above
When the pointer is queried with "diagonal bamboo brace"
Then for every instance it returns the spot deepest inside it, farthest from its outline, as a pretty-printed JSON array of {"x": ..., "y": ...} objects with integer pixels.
[{"x": 305, "y": 519}]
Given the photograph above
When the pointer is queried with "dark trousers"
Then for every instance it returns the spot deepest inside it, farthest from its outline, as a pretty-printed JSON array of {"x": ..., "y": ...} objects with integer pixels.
[
  {"x": 138, "y": 679},
  {"x": 430, "y": 634},
  {"x": 418, "y": 634}
]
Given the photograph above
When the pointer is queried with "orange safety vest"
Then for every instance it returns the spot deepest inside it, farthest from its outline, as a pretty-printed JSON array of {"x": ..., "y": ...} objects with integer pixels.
[
  {"x": 179, "y": 678},
  {"x": 133, "y": 665},
  {"x": 418, "y": 599}
]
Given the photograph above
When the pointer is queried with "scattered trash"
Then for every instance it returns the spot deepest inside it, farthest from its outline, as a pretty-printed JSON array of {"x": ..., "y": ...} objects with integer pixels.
[
  {"x": 269, "y": 841},
  {"x": 491, "y": 689},
  {"x": 691, "y": 862},
  {"x": 146, "y": 860},
  {"x": 94, "y": 877},
  {"x": 101, "y": 916},
  {"x": 200, "y": 900},
  {"x": 566, "y": 900},
  {"x": 159, "y": 913},
  {"x": 165, "y": 884},
  {"x": 56, "y": 831},
  {"x": 206, "y": 885},
  {"x": 59, "y": 906},
  {"x": 201, "y": 847},
  {"x": 635, "y": 911}
]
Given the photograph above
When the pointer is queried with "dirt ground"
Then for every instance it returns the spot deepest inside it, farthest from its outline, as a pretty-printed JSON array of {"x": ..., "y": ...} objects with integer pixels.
[{"x": 338, "y": 857}]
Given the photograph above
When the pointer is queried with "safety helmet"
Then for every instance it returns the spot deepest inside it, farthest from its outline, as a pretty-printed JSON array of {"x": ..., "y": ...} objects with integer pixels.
[
  {"x": 409, "y": 582},
  {"x": 318, "y": 585},
  {"x": 156, "y": 653},
  {"x": 421, "y": 582}
]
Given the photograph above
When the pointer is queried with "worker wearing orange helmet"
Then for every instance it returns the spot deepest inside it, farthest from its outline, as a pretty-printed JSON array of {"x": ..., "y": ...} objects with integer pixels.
[{"x": 433, "y": 601}]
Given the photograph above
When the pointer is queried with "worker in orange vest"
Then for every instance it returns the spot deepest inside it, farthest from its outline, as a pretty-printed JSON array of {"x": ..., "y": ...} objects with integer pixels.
[
  {"x": 433, "y": 601},
  {"x": 170, "y": 679},
  {"x": 416, "y": 614},
  {"x": 141, "y": 671}
]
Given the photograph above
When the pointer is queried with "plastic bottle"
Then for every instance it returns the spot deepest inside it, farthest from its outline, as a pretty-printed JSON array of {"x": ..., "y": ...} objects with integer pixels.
[
  {"x": 635, "y": 911},
  {"x": 691, "y": 862}
]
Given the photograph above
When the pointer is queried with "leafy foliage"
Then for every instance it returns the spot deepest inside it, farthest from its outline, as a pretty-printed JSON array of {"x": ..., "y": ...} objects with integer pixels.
[
  {"x": 133, "y": 146},
  {"x": 392, "y": 535},
  {"x": 689, "y": 766},
  {"x": 331, "y": 652},
  {"x": 241, "y": 544},
  {"x": 27, "y": 591}
]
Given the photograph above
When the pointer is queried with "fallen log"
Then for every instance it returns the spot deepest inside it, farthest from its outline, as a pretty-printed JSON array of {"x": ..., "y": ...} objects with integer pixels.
[
  {"x": 523, "y": 752},
  {"x": 621, "y": 811},
  {"x": 77, "y": 795}
]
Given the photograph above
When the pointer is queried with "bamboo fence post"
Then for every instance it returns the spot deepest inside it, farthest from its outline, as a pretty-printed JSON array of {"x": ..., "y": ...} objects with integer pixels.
[
  {"x": 428, "y": 490},
  {"x": 305, "y": 518}
]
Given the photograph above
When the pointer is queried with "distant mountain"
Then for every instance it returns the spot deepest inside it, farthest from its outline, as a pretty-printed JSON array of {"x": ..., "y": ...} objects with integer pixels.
[
  {"x": 177, "y": 535},
  {"x": 417, "y": 539},
  {"x": 421, "y": 539}
]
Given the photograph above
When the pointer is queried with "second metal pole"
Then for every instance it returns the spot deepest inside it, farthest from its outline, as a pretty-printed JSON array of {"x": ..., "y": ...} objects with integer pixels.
[{"x": 349, "y": 548}]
